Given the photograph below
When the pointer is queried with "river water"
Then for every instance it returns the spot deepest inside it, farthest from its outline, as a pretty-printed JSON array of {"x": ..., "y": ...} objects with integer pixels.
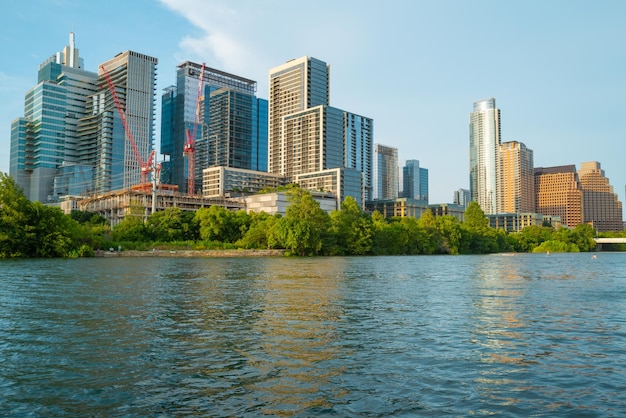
[{"x": 506, "y": 335}]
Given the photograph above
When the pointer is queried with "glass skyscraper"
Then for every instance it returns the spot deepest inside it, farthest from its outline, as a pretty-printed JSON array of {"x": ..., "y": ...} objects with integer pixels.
[
  {"x": 414, "y": 181},
  {"x": 71, "y": 140},
  {"x": 232, "y": 125},
  {"x": 484, "y": 124},
  {"x": 46, "y": 137}
]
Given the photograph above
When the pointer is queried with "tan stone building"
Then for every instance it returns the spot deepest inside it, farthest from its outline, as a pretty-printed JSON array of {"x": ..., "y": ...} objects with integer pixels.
[
  {"x": 602, "y": 209},
  {"x": 517, "y": 180},
  {"x": 558, "y": 193}
]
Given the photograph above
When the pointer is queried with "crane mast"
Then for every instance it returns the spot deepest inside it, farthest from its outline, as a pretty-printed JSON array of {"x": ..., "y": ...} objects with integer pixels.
[
  {"x": 145, "y": 166},
  {"x": 189, "y": 150}
]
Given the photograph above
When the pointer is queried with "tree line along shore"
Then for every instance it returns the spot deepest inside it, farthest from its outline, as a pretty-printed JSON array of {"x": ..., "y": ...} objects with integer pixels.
[{"x": 32, "y": 229}]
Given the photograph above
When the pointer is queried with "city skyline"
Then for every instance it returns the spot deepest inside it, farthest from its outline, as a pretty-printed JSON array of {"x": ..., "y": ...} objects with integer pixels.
[{"x": 552, "y": 73}]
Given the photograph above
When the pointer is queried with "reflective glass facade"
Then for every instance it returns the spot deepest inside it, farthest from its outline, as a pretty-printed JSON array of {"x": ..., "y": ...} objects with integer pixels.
[
  {"x": 484, "y": 154},
  {"x": 414, "y": 181},
  {"x": 230, "y": 119}
]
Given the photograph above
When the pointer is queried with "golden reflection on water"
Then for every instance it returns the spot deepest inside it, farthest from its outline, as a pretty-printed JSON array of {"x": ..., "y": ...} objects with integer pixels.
[{"x": 298, "y": 323}]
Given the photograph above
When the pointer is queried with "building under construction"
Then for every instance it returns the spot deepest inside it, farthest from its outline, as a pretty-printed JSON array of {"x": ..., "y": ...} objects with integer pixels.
[{"x": 115, "y": 206}]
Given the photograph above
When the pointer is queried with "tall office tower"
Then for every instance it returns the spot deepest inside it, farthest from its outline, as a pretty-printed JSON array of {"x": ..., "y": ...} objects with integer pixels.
[
  {"x": 296, "y": 86},
  {"x": 558, "y": 193},
  {"x": 415, "y": 181},
  {"x": 484, "y": 124},
  {"x": 233, "y": 134},
  {"x": 104, "y": 143},
  {"x": 358, "y": 148},
  {"x": 385, "y": 172},
  {"x": 601, "y": 207},
  {"x": 44, "y": 143},
  {"x": 462, "y": 197},
  {"x": 517, "y": 185}
]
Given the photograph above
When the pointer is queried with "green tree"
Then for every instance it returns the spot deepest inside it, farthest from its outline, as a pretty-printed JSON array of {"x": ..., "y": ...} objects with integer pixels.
[
  {"x": 433, "y": 241},
  {"x": 14, "y": 217},
  {"x": 217, "y": 223},
  {"x": 351, "y": 228},
  {"x": 304, "y": 226},
  {"x": 258, "y": 233},
  {"x": 172, "y": 224},
  {"x": 450, "y": 232}
]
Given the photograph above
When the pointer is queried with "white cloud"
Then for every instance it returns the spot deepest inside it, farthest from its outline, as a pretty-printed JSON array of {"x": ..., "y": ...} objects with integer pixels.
[{"x": 223, "y": 36}]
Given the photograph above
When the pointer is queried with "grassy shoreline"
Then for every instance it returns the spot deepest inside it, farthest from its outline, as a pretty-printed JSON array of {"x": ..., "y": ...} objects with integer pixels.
[{"x": 192, "y": 253}]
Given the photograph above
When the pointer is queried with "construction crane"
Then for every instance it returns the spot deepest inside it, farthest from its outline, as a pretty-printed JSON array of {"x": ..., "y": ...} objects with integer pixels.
[
  {"x": 189, "y": 150},
  {"x": 147, "y": 166}
]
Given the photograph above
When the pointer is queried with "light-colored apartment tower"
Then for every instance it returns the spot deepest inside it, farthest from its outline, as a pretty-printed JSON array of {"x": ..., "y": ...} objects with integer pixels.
[
  {"x": 484, "y": 123},
  {"x": 602, "y": 209},
  {"x": 386, "y": 174},
  {"x": 517, "y": 180},
  {"x": 558, "y": 193},
  {"x": 298, "y": 85}
]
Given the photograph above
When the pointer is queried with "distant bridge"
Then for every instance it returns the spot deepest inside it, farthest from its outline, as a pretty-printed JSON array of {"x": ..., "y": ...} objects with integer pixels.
[
  {"x": 600, "y": 241},
  {"x": 610, "y": 240}
]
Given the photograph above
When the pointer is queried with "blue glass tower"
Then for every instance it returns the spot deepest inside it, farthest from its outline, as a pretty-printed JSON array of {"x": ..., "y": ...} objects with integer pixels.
[{"x": 232, "y": 126}]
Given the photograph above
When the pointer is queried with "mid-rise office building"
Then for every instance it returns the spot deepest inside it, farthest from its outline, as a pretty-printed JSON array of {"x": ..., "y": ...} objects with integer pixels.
[
  {"x": 484, "y": 124},
  {"x": 558, "y": 193},
  {"x": 415, "y": 181},
  {"x": 222, "y": 114},
  {"x": 601, "y": 207},
  {"x": 517, "y": 180},
  {"x": 385, "y": 172}
]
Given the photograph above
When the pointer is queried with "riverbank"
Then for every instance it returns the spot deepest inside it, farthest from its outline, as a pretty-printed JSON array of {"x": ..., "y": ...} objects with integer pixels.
[{"x": 192, "y": 253}]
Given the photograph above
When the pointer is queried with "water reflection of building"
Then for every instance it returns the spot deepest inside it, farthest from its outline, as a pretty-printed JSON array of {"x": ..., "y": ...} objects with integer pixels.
[{"x": 296, "y": 329}]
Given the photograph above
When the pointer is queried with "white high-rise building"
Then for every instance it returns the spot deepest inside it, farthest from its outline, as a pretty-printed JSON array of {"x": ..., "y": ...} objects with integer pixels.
[{"x": 484, "y": 124}]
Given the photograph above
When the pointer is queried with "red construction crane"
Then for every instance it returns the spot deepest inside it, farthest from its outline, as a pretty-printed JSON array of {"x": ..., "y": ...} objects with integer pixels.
[
  {"x": 147, "y": 166},
  {"x": 189, "y": 149}
]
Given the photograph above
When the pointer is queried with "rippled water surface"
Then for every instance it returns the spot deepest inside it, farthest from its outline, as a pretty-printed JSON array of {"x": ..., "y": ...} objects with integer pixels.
[{"x": 512, "y": 335}]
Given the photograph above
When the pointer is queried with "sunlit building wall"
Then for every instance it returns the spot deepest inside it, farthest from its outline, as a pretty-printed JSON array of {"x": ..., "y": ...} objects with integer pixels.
[
  {"x": 484, "y": 123},
  {"x": 558, "y": 193},
  {"x": 601, "y": 207},
  {"x": 517, "y": 180}
]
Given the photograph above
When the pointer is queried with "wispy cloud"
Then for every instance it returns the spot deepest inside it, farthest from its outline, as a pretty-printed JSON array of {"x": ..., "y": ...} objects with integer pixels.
[{"x": 222, "y": 38}]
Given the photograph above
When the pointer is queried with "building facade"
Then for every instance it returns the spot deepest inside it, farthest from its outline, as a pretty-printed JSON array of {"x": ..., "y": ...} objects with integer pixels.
[
  {"x": 311, "y": 142},
  {"x": 46, "y": 137},
  {"x": 386, "y": 176},
  {"x": 517, "y": 180},
  {"x": 462, "y": 197},
  {"x": 223, "y": 117},
  {"x": 558, "y": 193},
  {"x": 484, "y": 123},
  {"x": 295, "y": 86},
  {"x": 117, "y": 156},
  {"x": 415, "y": 181},
  {"x": 601, "y": 207}
]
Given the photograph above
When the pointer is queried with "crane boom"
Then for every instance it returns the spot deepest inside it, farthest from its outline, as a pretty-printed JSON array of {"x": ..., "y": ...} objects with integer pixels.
[
  {"x": 146, "y": 167},
  {"x": 189, "y": 149}
]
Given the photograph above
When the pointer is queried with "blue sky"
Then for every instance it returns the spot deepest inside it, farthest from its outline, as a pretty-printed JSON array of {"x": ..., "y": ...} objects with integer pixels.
[{"x": 556, "y": 68}]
